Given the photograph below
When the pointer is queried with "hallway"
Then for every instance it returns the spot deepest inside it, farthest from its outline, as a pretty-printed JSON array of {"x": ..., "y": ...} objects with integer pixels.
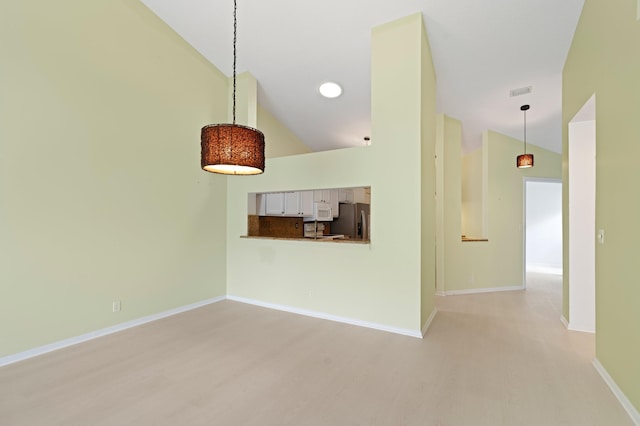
[{"x": 516, "y": 358}]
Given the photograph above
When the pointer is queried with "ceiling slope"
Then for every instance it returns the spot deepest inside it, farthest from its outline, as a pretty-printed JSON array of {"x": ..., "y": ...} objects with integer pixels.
[{"x": 481, "y": 50}]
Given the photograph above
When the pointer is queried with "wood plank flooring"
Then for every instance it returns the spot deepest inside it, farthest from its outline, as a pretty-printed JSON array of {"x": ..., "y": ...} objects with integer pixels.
[{"x": 488, "y": 359}]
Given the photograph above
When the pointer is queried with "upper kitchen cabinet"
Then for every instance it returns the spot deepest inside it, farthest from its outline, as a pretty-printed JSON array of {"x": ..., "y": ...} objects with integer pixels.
[
  {"x": 329, "y": 196},
  {"x": 291, "y": 203},
  {"x": 305, "y": 203},
  {"x": 345, "y": 195},
  {"x": 298, "y": 203},
  {"x": 274, "y": 203},
  {"x": 362, "y": 195}
]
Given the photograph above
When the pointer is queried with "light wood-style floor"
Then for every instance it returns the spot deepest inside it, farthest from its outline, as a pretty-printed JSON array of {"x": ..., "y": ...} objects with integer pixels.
[{"x": 488, "y": 359}]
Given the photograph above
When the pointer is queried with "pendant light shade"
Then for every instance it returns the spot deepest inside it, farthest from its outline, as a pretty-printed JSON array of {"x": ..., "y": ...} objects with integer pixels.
[
  {"x": 524, "y": 160},
  {"x": 232, "y": 149}
]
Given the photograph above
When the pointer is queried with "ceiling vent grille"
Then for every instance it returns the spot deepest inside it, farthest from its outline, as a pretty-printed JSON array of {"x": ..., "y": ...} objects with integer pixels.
[{"x": 520, "y": 91}]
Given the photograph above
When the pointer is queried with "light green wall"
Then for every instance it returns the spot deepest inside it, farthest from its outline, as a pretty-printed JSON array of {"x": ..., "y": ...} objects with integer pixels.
[
  {"x": 448, "y": 143},
  {"x": 279, "y": 141},
  {"x": 472, "y": 194},
  {"x": 498, "y": 262},
  {"x": 380, "y": 282},
  {"x": 428, "y": 179},
  {"x": 101, "y": 193},
  {"x": 604, "y": 60},
  {"x": 246, "y": 100}
]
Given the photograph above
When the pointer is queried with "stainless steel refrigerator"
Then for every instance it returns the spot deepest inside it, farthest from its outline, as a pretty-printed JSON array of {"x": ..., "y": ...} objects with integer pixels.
[{"x": 352, "y": 221}]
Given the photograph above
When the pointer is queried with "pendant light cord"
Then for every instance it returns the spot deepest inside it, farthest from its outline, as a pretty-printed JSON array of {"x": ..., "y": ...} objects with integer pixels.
[
  {"x": 235, "y": 30},
  {"x": 525, "y": 131}
]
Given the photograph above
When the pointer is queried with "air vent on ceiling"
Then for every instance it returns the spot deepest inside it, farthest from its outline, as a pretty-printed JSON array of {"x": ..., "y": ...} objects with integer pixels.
[{"x": 520, "y": 91}]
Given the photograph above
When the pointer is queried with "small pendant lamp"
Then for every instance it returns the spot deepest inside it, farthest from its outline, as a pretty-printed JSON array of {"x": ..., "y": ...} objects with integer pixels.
[
  {"x": 525, "y": 160},
  {"x": 232, "y": 149}
]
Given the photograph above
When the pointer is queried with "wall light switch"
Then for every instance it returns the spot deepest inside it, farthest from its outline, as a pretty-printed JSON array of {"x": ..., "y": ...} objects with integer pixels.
[{"x": 600, "y": 236}]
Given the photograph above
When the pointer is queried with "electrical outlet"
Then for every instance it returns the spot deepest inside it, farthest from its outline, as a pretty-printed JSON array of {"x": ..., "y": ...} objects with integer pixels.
[{"x": 116, "y": 306}]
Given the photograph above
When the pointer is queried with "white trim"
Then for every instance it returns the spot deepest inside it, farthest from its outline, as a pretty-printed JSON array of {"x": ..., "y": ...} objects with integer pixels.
[
  {"x": 622, "y": 398},
  {"x": 544, "y": 269},
  {"x": 572, "y": 327},
  {"x": 322, "y": 315},
  {"x": 40, "y": 350},
  {"x": 564, "y": 321},
  {"x": 429, "y": 320},
  {"x": 441, "y": 293},
  {"x": 582, "y": 328},
  {"x": 483, "y": 290}
]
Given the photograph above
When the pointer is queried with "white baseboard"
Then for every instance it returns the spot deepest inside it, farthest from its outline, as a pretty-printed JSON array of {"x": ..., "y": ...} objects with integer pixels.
[
  {"x": 544, "y": 269},
  {"x": 40, "y": 350},
  {"x": 440, "y": 293},
  {"x": 582, "y": 328},
  {"x": 564, "y": 321},
  {"x": 573, "y": 327},
  {"x": 429, "y": 320},
  {"x": 624, "y": 401},
  {"x": 483, "y": 290},
  {"x": 322, "y": 315}
]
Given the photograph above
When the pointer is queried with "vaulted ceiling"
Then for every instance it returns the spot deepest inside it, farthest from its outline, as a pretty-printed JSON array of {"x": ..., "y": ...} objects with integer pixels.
[{"x": 481, "y": 50}]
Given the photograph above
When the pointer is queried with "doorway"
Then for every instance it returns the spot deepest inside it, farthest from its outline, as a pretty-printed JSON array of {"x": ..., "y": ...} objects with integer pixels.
[{"x": 543, "y": 226}]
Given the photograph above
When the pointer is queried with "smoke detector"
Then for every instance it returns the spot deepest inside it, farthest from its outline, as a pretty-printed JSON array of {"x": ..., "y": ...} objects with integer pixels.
[{"x": 520, "y": 91}]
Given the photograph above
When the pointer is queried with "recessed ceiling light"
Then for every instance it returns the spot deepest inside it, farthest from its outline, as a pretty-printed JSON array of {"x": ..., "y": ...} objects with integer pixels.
[{"x": 330, "y": 89}]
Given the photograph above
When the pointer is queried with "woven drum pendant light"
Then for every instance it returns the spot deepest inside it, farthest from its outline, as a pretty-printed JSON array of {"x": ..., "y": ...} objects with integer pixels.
[
  {"x": 232, "y": 149},
  {"x": 525, "y": 160}
]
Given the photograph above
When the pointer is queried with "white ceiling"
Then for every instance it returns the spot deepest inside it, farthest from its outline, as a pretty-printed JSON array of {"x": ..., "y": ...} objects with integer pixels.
[{"x": 481, "y": 50}]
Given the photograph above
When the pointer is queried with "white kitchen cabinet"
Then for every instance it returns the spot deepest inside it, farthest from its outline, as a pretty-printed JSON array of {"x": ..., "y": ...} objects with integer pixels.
[
  {"x": 298, "y": 203},
  {"x": 274, "y": 204},
  {"x": 322, "y": 195},
  {"x": 362, "y": 195},
  {"x": 345, "y": 195},
  {"x": 291, "y": 203},
  {"x": 329, "y": 196},
  {"x": 305, "y": 200}
]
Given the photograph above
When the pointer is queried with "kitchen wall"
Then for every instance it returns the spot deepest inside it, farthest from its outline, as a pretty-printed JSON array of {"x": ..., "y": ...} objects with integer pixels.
[
  {"x": 375, "y": 284},
  {"x": 497, "y": 263},
  {"x": 604, "y": 60}
]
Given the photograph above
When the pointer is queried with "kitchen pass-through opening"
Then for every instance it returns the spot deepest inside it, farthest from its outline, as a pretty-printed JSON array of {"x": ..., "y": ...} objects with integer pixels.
[{"x": 333, "y": 214}]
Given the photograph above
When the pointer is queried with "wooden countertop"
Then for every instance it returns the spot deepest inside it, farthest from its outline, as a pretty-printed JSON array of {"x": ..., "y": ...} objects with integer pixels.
[
  {"x": 466, "y": 239},
  {"x": 312, "y": 240}
]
